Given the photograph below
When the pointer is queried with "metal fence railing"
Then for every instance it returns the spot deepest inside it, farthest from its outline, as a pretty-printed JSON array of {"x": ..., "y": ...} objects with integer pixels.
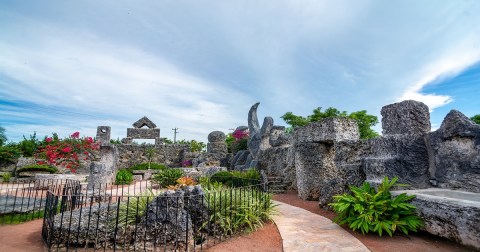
[
  {"x": 150, "y": 219},
  {"x": 21, "y": 202}
]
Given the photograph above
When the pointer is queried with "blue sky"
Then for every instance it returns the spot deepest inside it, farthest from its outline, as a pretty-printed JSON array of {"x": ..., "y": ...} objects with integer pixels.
[{"x": 70, "y": 66}]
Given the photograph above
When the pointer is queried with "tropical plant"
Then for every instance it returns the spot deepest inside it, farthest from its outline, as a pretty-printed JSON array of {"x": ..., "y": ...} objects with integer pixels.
[
  {"x": 37, "y": 168},
  {"x": 167, "y": 177},
  {"x": 365, "y": 121},
  {"x": 182, "y": 183},
  {"x": 247, "y": 209},
  {"x": 123, "y": 177},
  {"x": 367, "y": 209}
]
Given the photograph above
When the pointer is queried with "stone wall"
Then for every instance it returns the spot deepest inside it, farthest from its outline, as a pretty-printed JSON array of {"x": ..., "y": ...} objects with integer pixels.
[{"x": 171, "y": 154}]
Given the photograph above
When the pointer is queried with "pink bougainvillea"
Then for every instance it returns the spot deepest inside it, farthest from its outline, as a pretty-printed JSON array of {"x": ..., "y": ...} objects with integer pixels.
[
  {"x": 240, "y": 134},
  {"x": 65, "y": 152}
]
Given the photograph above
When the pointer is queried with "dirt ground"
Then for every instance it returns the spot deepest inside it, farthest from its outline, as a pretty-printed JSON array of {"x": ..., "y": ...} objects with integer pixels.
[
  {"x": 22, "y": 237},
  {"x": 27, "y": 236}
]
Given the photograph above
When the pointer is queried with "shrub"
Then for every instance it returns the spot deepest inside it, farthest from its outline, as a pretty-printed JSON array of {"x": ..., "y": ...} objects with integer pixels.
[
  {"x": 37, "y": 168},
  {"x": 168, "y": 177},
  {"x": 144, "y": 166},
  {"x": 237, "y": 178},
  {"x": 123, "y": 177},
  {"x": 29, "y": 146},
  {"x": 183, "y": 182},
  {"x": 9, "y": 153},
  {"x": 6, "y": 177},
  {"x": 247, "y": 209},
  {"x": 369, "y": 210}
]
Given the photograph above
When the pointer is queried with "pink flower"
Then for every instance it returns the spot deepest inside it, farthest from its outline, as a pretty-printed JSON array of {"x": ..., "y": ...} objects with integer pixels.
[
  {"x": 48, "y": 140},
  {"x": 75, "y": 135},
  {"x": 68, "y": 149},
  {"x": 89, "y": 140}
]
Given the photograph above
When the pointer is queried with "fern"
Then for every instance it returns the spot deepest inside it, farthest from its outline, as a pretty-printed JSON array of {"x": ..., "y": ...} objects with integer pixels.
[{"x": 370, "y": 210}]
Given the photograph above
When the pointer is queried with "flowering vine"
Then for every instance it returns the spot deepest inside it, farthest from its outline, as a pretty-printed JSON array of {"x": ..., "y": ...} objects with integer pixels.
[{"x": 66, "y": 152}]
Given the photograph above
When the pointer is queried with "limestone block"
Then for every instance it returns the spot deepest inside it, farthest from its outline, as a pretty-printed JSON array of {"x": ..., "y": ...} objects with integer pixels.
[
  {"x": 216, "y": 137},
  {"x": 217, "y": 147},
  {"x": 103, "y": 135},
  {"x": 406, "y": 117},
  {"x": 143, "y": 133},
  {"x": 327, "y": 130}
]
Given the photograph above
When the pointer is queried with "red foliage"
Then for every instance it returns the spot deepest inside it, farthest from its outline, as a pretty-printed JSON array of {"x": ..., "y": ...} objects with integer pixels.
[{"x": 65, "y": 152}]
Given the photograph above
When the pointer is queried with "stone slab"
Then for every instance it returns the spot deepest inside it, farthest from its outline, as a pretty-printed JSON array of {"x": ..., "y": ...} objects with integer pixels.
[{"x": 304, "y": 231}]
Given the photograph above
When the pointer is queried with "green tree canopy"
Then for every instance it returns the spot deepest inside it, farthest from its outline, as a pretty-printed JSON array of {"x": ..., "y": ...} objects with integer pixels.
[
  {"x": 3, "y": 137},
  {"x": 476, "y": 118},
  {"x": 365, "y": 121}
]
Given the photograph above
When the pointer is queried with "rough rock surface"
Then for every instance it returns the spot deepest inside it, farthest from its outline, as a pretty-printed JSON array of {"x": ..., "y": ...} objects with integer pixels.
[
  {"x": 406, "y": 117},
  {"x": 171, "y": 155},
  {"x": 315, "y": 148},
  {"x": 216, "y": 137},
  {"x": 217, "y": 148},
  {"x": 456, "y": 151},
  {"x": 103, "y": 135},
  {"x": 144, "y": 121},
  {"x": 327, "y": 130},
  {"x": 405, "y": 156},
  {"x": 453, "y": 218}
]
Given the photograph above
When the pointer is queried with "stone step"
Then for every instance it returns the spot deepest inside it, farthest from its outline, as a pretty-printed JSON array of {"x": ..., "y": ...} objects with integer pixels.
[
  {"x": 277, "y": 191},
  {"x": 277, "y": 187}
]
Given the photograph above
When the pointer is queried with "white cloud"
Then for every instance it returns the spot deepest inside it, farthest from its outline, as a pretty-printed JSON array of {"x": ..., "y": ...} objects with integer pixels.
[{"x": 448, "y": 64}]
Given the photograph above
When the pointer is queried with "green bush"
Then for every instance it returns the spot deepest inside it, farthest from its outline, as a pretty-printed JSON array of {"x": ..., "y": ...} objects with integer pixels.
[
  {"x": 123, "y": 177},
  {"x": 29, "y": 146},
  {"x": 247, "y": 209},
  {"x": 6, "y": 177},
  {"x": 168, "y": 177},
  {"x": 241, "y": 144},
  {"x": 144, "y": 166},
  {"x": 237, "y": 178},
  {"x": 37, "y": 168},
  {"x": 9, "y": 153},
  {"x": 370, "y": 210}
]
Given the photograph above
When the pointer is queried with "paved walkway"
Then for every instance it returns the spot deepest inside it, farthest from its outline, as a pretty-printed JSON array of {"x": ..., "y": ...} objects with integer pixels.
[{"x": 303, "y": 231}]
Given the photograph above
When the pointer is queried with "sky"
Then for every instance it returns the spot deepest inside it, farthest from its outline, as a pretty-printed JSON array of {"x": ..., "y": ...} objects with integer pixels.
[{"x": 199, "y": 66}]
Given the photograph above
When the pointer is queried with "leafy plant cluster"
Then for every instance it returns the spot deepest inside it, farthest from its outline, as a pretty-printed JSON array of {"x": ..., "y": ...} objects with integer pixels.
[
  {"x": 9, "y": 153},
  {"x": 123, "y": 177},
  {"x": 237, "y": 178},
  {"x": 146, "y": 166},
  {"x": 365, "y": 121},
  {"x": 247, "y": 210},
  {"x": 237, "y": 141},
  {"x": 6, "y": 177},
  {"x": 475, "y": 119},
  {"x": 369, "y": 210},
  {"x": 168, "y": 177},
  {"x": 195, "y": 146},
  {"x": 37, "y": 168}
]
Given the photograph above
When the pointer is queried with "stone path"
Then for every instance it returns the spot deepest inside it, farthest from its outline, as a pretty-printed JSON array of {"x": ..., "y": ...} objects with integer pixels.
[{"x": 303, "y": 231}]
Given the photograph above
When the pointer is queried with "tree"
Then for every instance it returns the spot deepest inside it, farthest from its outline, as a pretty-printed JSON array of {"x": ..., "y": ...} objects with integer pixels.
[
  {"x": 476, "y": 118},
  {"x": 3, "y": 137},
  {"x": 364, "y": 120}
]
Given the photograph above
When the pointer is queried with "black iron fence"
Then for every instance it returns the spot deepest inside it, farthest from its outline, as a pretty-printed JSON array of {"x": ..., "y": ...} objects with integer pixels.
[
  {"x": 146, "y": 218},
  {"x": 21, "y": 202}
]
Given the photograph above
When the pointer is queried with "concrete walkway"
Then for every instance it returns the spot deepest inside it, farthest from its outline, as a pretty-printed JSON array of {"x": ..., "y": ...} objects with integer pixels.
[{"x": 303, "y": 231}]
